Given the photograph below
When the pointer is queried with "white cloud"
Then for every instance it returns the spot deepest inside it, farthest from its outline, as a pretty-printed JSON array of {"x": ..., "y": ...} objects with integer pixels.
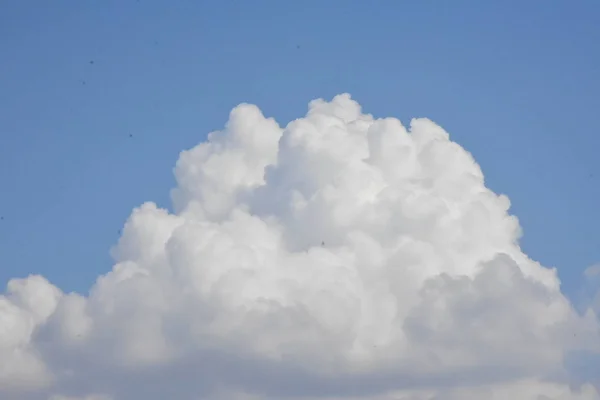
[
  {"x": 343, "y": 257},
  {"x": 592, "y": 271}
]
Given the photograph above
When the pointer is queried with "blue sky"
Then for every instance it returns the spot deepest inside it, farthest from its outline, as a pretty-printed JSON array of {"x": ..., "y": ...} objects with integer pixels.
[{"x": 513, "y": 82}]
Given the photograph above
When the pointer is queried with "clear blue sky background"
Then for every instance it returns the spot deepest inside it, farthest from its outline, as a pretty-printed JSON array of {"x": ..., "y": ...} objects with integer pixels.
[{"x": 516, "y": 83}]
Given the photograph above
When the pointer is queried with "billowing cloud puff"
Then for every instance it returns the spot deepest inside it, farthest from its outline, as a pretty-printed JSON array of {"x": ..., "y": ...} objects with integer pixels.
[{"x": 342, "y": 257}]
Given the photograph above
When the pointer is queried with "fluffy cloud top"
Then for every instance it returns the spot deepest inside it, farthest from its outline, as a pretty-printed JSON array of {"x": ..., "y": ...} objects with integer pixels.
[{"x": 340, "y": 257}]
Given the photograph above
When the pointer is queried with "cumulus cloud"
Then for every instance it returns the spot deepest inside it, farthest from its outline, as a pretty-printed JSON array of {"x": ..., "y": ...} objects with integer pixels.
[
  {"x": 592, "y": 271},
  {"x": 340, "y": 257}
]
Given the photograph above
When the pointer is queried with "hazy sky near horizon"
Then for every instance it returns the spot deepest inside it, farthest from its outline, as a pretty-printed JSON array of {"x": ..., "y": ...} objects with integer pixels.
[{"x": 98, "y": 99}]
